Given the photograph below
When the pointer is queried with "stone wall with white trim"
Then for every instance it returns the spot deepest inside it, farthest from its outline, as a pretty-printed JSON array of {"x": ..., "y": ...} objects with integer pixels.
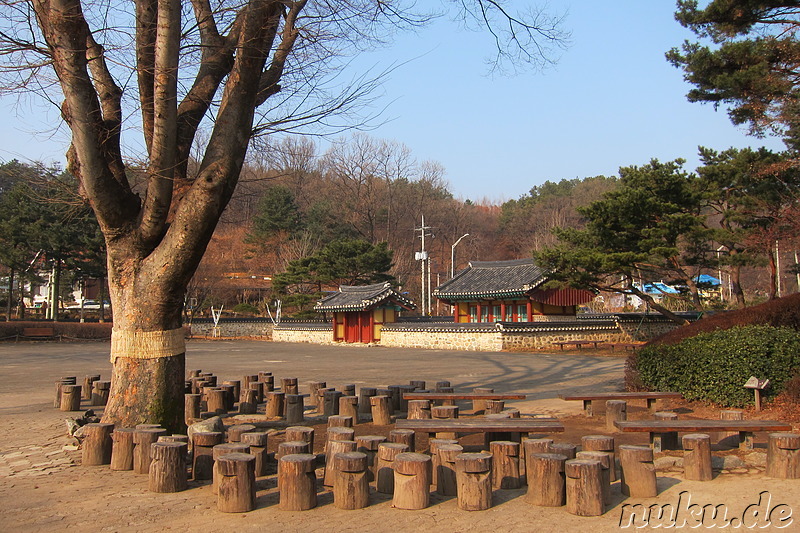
[
  {"x": 313, "y": 336},
  {"x": 485, "y": 341}
]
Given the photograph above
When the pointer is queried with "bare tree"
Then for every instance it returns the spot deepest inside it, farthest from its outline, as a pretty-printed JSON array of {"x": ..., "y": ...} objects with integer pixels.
[{"x": 169, "y": 69}]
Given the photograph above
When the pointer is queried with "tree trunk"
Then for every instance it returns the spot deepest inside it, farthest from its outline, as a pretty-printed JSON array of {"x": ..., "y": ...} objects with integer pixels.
[
  {"x": 10, "y": 294},
  {"x": 148, "y": 347},
  {"x": 736, "y": 286},
  {"x": 56, "y": 289},
  {"x": 660, "y": 308},
  {"x": 773, "y": 274}
]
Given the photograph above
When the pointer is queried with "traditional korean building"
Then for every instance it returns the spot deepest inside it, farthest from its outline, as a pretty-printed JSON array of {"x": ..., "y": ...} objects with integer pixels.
[
  {"x": 507, "y": 291},
  {"x": 359, "y": 312}
]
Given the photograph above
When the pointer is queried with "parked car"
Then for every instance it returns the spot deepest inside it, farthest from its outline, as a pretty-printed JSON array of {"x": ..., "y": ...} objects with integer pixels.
[{"x": 90, "y": 305}]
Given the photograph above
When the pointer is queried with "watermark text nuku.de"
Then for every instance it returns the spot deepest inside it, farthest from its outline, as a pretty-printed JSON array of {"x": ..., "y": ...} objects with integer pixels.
[{"x": 686, "y": 514}]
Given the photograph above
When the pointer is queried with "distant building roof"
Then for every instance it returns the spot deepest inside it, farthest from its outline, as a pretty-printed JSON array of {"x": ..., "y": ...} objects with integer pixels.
[
  {"x": 362, "y": 298},
  {"x": 493, "y": 279}
]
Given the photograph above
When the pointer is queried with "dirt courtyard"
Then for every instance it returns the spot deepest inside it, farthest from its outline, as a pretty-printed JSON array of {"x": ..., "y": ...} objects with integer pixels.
[{"x": 44, "y": 488}]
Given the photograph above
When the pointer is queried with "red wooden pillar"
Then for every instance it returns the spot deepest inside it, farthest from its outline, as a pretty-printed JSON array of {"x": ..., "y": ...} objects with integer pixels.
[
  {"x": 502, "y": 311},
  {"x": 480, "y": 313},
  {"x": 529, "y": 306}
]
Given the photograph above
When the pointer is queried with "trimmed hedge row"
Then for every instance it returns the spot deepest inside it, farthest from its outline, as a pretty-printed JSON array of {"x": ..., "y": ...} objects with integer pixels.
[{"x": 714, "y": 366}]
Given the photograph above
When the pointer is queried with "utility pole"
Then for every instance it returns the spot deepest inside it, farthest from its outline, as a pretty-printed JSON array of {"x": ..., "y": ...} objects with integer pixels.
[{"x": 423, "y": 257}]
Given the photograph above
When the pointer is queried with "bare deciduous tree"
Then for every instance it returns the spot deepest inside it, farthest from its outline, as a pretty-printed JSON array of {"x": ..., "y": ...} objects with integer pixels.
[{"x": 168, "y": 70}]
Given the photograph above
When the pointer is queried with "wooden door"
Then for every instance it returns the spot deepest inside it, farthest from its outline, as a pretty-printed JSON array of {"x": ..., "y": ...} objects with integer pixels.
[{"x": 351, "y": 328}]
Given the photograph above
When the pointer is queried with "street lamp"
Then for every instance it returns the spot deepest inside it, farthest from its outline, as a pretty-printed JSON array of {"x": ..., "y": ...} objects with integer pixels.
[{"x": 453, "y": 255}]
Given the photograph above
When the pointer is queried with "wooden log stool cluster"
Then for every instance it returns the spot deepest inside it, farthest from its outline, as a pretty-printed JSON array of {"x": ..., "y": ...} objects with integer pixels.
[{"x": 783, "y": 456}]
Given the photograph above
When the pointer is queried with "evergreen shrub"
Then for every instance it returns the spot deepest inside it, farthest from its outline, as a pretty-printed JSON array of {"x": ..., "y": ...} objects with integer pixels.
[{"x": 714, "y": 366}]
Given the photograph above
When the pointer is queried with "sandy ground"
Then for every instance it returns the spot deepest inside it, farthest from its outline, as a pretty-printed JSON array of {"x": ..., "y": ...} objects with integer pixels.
[{"x": 43, "y": 488}]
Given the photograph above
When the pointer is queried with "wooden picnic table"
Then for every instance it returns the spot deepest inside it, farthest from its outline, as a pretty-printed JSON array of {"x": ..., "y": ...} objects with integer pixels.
[
  {"x": 651, "y": 398},
  {"x": 658, "y": 428},
  {"x": 483, "y": 425}
]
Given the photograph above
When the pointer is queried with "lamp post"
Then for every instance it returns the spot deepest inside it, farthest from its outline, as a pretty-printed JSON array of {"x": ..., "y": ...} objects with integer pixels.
[{"x": 453, "y": 256}]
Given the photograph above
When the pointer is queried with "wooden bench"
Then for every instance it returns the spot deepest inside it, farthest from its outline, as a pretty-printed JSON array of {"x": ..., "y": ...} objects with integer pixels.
[
  {"x": 658, "y": 428},
  {"x": 578, "y": 344},
  {"x": 651, "y": 398},
  {"x": 39, "y": 333},
  {"x": 483, "y": 425},
  {"x": 632, "y": 346}
]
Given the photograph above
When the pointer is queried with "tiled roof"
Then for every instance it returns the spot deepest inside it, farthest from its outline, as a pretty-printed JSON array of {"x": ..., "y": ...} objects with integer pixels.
[
  {"x": 362, "y": 297},
  {"x": 486, "y": 279}
]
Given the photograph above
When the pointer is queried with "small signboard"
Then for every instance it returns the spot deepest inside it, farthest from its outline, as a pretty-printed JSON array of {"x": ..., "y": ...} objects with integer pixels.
[{"x": 755, "y": 383}]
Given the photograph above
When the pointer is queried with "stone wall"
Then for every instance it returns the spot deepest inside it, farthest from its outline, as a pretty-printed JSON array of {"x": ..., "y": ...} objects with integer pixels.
[
  {"x": 231, "y": 327},
  {"x": 310, "y": 333},
  {"x": 435, "y": 337}
]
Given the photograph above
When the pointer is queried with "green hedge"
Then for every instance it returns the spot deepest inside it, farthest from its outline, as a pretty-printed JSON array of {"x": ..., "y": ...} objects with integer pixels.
[{"x": 714, "y": 366}]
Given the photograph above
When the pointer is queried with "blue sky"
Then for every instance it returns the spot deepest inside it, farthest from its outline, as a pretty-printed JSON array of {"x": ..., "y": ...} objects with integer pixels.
[{"x": 612, "y": 100}]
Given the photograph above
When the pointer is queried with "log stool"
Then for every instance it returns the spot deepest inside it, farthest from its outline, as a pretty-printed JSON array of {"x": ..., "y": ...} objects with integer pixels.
[
  {"x": 330, "y": 406},
  {"x": 368, "y": 445},
  {"x": 221, "y": 450},
  {"x": 783, "y": 455},
  {"x": 602, "y": 443},
  {"x": 445, "y": 412},
  {"x": 419, "y": 409},
  {"x": 349, "y": 389},
  {"x": 480, "y": 405},
  {"x": 292, "y": 447},
  {"x": 669, "y": 439},
  {"x": 505, "y": 464},
  {"x": 203, "y": 443},
  {"x": 236, "y": 486},
  {"x": 340, "y": 421},
  {"x": 339, "y": 433},
  {"x": 59, "y": 387},
  {"x": 532, "y": 446},
  {"x": 289, "y": 385},
  {"x": 257, "y": 442},
  {"x": 217, "y": 401},
  {"x": 730, "y": 438},
  {"x": 433, "y": 449},
  {"x": 142, "y": 439},
  {"x": 297, "y": 483},
  {"x": 295, "y": 408},
  {"x": 88, "y": 381},
  {"x": 234, "y": 433},
  {"x": 584, "y": 487},
  {"x": 348, "y": 406},
  {"x": 236, "y": 392},
  {"x": 604, "y": 459},
  {"x": 100, "y": 393},
  {"x": 564, "y": 448},
  {"x": 440, "y": 384},
  {"x": 70, "y": 398},
  {"x": 122, "y": 449},
  {"x": 321, "y": 398},
  {"x": 384, "y": 470},
  {"x": 493, "y": 407},
  {"x": 228, "y": 396},
  {"x": 364, "y": 394},
  {"x": 380, "y": 410},
  {"x": 474, "y": 478},
  {"x": 191, "y": 411},
  {"x": 303, "y": 433},
  {"x": 546, "y": 479},
  {"x": 97, "y": 444},
  {"x": 388, "y": 394},
  {"x": 638, "y": 474},
  {"x": 168, "y": 467},
  {"x": 350, "y": 483},
  {"x": 248, "y": 405},
  {"x": 512, "y": 412},
  {"x": 403, "y": 436},
  {"x": 418, "y": 384},
  {"x": 274, "y": 407},
  {"x": 394, "y": 395},
  {"x": 412, "y": 481},
  {"x": 616, "y": 410},
  {"x": 259, "y": 387},
  {"x": 697, "y": 457},
  {"x": 333, "y": 448},
  {"x": 313, "y": 389},
  {"x": 148, "y": 426},
  {"x": 268, "y": 382},
  {"x": 446, "y": 482},
  {"x": 247, "y": 380}
]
